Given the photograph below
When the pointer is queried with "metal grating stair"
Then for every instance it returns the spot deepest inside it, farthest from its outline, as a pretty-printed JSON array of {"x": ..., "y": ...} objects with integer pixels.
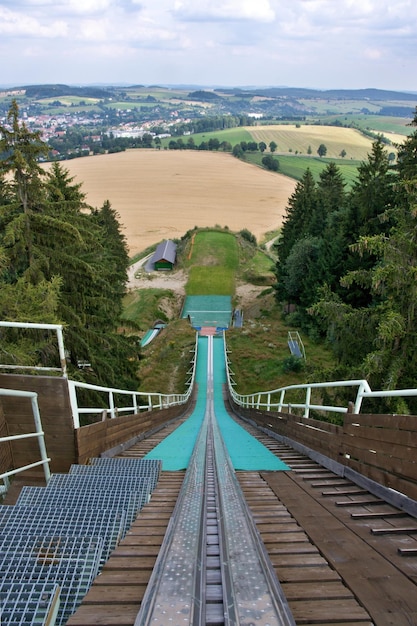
[
  {"x": 56, "y": 539},
  {"x": 70, "y": 562},
  {"x": 25, "y": 604},
  {"x": 88, "y": 522}
]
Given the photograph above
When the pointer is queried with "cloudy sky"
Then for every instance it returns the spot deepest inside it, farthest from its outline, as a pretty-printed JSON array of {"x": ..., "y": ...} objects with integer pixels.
[{"x": 298, "y": 43}]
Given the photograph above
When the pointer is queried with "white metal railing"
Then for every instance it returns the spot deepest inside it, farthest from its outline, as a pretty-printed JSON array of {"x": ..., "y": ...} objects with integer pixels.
[
  {"x": 136, "y": 401},
  {"x": 54, "y": 327},
  {"x": 294, "y": 338},
  {"x": 277, "y": 399},
  {"x": 39, "y": 434}
]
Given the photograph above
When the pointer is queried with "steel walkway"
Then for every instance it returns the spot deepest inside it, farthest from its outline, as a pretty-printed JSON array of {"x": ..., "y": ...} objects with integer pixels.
[{"x": 212, "y": 567}]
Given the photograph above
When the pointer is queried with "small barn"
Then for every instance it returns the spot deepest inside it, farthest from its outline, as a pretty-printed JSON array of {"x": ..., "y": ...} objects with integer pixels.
[{"x": 165, "y": 255}]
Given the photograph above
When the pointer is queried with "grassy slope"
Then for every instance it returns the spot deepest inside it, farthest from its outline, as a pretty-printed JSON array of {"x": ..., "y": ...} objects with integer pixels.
[
  {"x": 295, "y": 166},
  {"x": 232, "y": 135},
  {"x": 212, "y": 264},
  {"x": 259, "y": 350},
  {"x": 144, "y": 306}
]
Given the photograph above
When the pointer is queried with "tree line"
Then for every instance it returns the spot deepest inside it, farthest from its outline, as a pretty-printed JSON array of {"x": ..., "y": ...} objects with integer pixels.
[
  {"x": 347, "y": 267},
  {"x": 61, "y": 261},
  {"x": 81, "y": 141}
]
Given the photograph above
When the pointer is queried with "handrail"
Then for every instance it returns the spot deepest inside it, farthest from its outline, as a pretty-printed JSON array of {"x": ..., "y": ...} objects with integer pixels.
[
  {"x": 137, "y": 400},
  {"x": 39, "y": 433},
  {"x": 294, "y": 336},
  {"x": 265, "y": 400},
  {"x": 58, "y": 329}
]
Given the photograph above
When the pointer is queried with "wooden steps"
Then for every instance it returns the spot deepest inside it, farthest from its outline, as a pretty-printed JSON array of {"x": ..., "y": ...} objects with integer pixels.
[{"x": 116, "y": 594}]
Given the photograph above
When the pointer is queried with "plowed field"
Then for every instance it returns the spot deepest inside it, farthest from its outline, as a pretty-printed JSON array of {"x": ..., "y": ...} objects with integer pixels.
[{"x": 162, "y": 194}]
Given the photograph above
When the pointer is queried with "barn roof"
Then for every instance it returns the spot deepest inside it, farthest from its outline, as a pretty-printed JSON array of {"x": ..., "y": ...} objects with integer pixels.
[{"x": 165, "y": 251}]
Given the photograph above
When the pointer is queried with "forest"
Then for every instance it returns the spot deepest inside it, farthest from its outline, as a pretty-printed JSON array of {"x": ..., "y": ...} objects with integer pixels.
[
  {"x": 347, "y": 267},
  {"x": 61, "y": 261}
]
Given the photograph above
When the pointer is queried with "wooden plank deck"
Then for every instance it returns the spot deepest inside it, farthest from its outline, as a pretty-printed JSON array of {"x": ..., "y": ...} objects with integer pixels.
[
  {"x": 369, "y": 563},
  {"x": 115, "y": 596},
  {"x": 334, "y": 567}
]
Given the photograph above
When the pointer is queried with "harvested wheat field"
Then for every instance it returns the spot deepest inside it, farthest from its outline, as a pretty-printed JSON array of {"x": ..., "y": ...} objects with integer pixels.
[
  {"x": 162, "y": 194},
  {"x": 293, "y": 138}
]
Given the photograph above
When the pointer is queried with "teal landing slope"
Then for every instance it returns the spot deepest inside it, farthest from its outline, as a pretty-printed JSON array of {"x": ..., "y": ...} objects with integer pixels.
[
  {"x": 213, "y": 311},
  {"x": 175, "y": 450},
  {"x": 246, "y": 452}
]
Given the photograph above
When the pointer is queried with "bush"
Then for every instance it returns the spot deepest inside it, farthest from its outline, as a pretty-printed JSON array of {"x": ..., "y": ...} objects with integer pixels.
[
  {"x": 292, "y": 364},
  {"x": 270, "y": 163},
  {"x": 246, "y": 234}
]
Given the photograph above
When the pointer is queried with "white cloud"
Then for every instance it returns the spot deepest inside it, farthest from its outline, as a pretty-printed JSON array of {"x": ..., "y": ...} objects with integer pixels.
[
  {"x": 18, "y": 25},
  {"x": 227, "y": 10},
  {"x": 297, "y": 42},
  {"x": 138, "y": 32},
  {"x": 373, "y": 53}
]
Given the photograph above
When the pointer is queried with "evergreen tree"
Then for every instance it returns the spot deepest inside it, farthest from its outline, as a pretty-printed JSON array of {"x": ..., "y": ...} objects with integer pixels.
[
  {"x": 114, "y": 249},
  {"x": 369, "y": 213},
  {"x": 378, "y": 339},
  {"x": 373, "y": 194},
  {"x": 304, "y": 270},
  {"x": 330, "y": 197},
  {"x": 407, "y": 154},
  {"x": 56, "y": 247},
  {"x": 300, "y": 209},
  {"x": 301, "y": 206}
]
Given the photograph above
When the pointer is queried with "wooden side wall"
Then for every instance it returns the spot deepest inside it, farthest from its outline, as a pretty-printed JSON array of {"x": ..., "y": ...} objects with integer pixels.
[
  {"x": 381, "y": 447},
  {"x": 55, "y": 410},
  {"x": 384, "y": 448},
  {"x": 65, "y": 445},
  {"x": 97, "y": 438},
  {"x": 319, "y": 436}
]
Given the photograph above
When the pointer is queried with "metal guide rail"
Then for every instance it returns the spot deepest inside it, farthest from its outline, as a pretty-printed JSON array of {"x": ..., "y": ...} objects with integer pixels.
[{"x": 212, "y": 568}]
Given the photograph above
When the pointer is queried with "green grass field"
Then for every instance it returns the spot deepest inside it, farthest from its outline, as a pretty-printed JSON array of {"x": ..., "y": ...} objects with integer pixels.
[
  {"x": 142, "y": 307},
  {"x": 232, "y": 135},
  {"x": 213, "y": 263},
  {"x": 378, "y": 123},
  {"x": 295, "y": 166}
]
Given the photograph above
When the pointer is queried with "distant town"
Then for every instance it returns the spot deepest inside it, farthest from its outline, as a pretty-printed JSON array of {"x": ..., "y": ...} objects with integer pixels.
[{"x": 79, "y": 121}]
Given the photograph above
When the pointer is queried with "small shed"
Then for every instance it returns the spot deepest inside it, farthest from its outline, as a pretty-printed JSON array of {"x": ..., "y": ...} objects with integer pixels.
[{"x": 165, "y": 255}]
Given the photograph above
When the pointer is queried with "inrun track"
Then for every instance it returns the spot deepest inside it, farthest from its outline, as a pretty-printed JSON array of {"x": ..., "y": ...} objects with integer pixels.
[{"x": 296, "y": 545}]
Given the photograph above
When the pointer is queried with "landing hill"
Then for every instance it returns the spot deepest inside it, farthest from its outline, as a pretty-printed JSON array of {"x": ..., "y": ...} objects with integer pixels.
[{"x": 259, "y": 355}]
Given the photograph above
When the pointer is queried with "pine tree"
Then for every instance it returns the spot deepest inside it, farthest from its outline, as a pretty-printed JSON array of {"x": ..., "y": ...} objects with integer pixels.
[
  {"x": 301, "y": 207},
  {"x": 299, "y": 212},
  {"x": 330, "y": 198},
  {"x": 54, "y": 244},
  {"x": 373, "y": 194}
]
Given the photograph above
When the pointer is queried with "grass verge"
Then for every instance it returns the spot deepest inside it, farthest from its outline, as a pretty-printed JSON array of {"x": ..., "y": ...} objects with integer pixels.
[
  {"x": 165, "y": 363},
  {"x": 212, "y": 261},
  {"x": 143, "y": 307},
  {"x": 259, "y": 353}
]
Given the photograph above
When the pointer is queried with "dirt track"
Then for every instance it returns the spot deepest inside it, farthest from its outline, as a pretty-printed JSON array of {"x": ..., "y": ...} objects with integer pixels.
[{"x": 162, "y": 194}]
